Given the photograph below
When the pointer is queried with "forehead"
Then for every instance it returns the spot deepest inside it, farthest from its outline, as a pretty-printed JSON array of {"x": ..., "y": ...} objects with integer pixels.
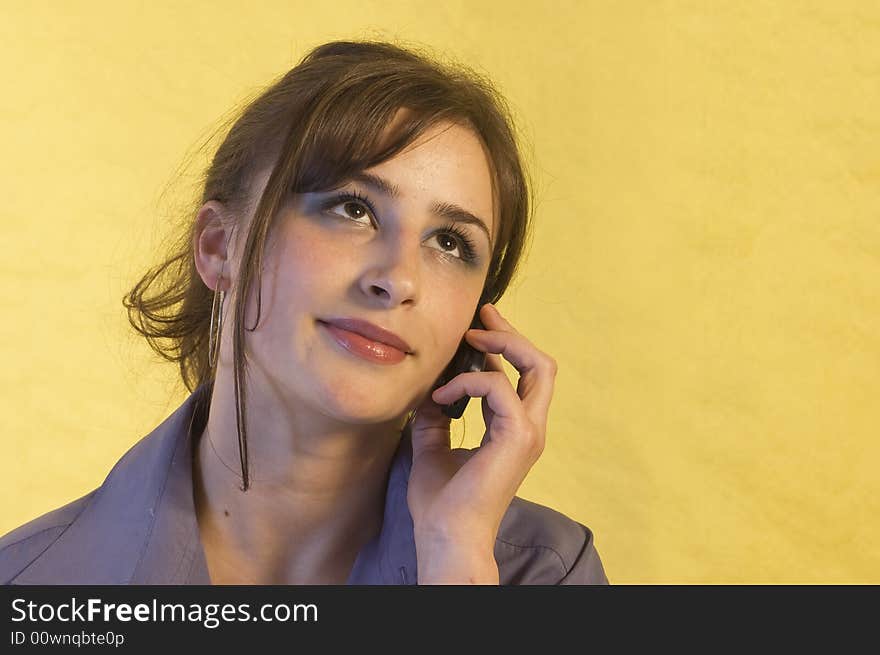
[{"x": 448, "y": 163}]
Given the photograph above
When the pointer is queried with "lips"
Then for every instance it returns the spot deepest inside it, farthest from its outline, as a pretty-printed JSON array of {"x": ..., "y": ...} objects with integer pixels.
[
  {"x": 367, "y": 341},
  {"x": 371, "y": 332}
]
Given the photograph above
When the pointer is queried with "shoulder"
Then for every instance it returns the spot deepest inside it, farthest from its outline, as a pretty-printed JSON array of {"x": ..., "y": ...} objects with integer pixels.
[
  {"x": 537, "y": 545},
  {"x": 20, "y": 547}
]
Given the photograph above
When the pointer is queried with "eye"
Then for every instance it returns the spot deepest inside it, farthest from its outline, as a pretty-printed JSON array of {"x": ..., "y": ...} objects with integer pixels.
[
  {"x": 354, "y": 206},
  {"x": 453, "y": 237}
]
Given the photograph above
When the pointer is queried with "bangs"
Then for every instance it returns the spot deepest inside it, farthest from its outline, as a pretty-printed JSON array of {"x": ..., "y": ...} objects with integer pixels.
[{"x": 356, "y": 126}]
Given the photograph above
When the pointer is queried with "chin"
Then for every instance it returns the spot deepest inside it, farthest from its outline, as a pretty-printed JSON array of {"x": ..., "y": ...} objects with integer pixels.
[{"x": 359, "y": 409}]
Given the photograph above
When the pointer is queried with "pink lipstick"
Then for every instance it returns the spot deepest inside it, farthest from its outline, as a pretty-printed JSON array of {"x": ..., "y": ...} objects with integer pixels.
[{"x": 363, "y": 346}]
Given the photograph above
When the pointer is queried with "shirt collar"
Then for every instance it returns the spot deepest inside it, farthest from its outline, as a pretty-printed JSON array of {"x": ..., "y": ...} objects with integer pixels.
[
  {"x": 174, "y": 552},
  {"x": 141, "y": 527}
]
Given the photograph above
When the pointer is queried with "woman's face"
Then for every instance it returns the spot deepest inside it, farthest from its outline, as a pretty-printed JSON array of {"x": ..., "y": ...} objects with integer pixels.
[{"x": 389, "y": 259}]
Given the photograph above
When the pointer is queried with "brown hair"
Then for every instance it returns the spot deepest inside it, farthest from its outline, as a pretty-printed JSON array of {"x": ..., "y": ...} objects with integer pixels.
[{"x": 318, "y": 124}]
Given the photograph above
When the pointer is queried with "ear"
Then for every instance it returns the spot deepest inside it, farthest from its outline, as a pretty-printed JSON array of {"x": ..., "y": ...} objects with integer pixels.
[{"x": 211, "y": 250}]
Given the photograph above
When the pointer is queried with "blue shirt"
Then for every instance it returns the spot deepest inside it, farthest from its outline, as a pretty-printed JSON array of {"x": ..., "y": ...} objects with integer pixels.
[{"x": 140, "y": 527}]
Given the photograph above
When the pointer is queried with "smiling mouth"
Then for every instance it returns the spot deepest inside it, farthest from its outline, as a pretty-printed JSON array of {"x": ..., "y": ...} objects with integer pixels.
[{"x": 362, "y": 347}]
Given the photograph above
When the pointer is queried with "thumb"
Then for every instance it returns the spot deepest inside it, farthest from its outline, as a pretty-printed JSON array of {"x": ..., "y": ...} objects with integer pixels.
[{"x": 430, "y": 428}]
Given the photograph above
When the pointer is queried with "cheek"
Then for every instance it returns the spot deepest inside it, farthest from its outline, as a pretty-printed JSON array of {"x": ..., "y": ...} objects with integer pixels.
[
  {"x": 453, "y": 316},
  {"x": 307, "y": 257}
]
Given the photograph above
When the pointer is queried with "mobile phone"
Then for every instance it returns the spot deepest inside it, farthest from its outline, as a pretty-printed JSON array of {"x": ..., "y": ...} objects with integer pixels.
[{"x": 466, "y": 359}]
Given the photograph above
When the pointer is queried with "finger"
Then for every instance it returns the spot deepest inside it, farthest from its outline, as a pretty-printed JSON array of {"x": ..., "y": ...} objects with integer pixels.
[
  {"x": 537, "y": 370},
  {"x": 513, "y": 443},
  {"x": 492, "y": 319},
  {"x": 430, "y": 429},
  {"x": 491, "y": 385}
]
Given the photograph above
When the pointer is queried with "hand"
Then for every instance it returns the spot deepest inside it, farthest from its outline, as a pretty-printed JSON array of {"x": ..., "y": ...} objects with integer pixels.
[{"x": 458, "y": 497}]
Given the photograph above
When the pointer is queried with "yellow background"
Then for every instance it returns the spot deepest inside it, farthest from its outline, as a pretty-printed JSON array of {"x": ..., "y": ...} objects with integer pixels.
[{"x": 705, "y": 266}]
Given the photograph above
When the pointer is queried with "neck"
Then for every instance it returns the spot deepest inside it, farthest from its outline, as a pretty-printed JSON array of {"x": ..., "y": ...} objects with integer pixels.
[{"x": 316, "y": 491}]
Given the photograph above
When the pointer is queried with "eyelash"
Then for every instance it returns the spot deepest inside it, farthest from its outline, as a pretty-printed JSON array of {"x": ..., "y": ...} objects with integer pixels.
[{"x": 466, "y": 244}]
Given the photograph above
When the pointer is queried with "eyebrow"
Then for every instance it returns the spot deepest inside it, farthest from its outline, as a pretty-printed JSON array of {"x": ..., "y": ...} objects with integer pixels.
[{"x": 447, "y": 210}]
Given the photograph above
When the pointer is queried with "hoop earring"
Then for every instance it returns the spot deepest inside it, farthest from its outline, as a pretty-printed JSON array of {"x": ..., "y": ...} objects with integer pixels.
[{"x": 214, "y": 341}]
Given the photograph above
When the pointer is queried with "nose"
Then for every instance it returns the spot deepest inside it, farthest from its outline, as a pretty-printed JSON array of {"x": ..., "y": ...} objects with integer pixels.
[{"x": 392, "y": 276}]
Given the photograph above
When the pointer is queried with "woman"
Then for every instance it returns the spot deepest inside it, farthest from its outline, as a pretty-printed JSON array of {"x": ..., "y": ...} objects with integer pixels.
[{"x": 378, "y": 199}]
